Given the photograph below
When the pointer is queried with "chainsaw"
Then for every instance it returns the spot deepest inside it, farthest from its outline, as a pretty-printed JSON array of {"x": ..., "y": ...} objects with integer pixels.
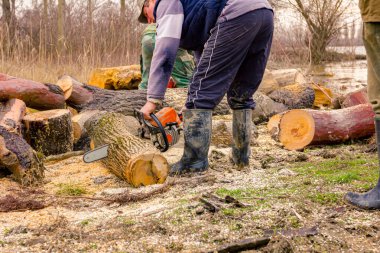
[{"x": 163, "y": 129}]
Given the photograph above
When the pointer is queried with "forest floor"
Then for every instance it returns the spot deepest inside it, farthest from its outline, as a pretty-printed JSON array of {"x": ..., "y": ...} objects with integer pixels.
[{"x": 283, "y": 193}]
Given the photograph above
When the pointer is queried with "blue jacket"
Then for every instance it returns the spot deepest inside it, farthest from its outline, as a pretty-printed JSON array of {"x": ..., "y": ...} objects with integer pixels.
[{"x": 200, "y": 17}]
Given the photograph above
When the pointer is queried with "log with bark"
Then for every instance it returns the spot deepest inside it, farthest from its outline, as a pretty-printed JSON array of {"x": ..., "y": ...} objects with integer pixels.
[
  {"x": 49, "y": 132},
  {"x": 11, "y": 114},
  {"x": 269, "y": 83},
  {"x": 294, "y": 96},
  {"x": 353, "y": 98},
  {"x": 265, "y": 108},
  {"x": 116, "y": 78},
  {"x": 34, "y": 94},
  {"x": 86, "y": 97},
  {"x": 133, "y": 159},
  {"x": 286, "y": 77},
  {"x": 300, "y": 128},
  {"x": 17, "y": 156}
]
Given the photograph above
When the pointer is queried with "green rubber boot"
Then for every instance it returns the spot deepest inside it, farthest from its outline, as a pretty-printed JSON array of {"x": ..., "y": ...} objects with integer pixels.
[
  {"x": 371, "y": 199},
  {"x": 197, "y": 133},
  {"x": 241, "y": 132}
]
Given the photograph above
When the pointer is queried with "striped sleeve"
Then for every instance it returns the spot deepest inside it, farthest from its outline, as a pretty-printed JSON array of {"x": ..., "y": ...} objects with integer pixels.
[{"x": 169, "y": 18}]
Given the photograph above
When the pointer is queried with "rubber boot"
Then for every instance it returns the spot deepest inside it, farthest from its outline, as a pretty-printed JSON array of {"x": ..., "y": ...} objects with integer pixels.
[
  {"x": 241, "y": 132},
  {"x": 371, "y": 199},
  {"x": 197, "y": 133}
]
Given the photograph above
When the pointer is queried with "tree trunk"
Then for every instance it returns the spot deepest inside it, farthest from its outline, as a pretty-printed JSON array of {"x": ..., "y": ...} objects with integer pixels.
[
  {"x": 294, "y": 96},
  {"x": 60, "y": 27},
  {"x": 300, "y": 128},
  {"x": 129, "y": 157},
  {"x": 50, "y": 132},
  {"x": 86, "y": 97},
  {"x": 11, "y": 114},
  {"x": 18, "y": 157},
  {"x": 265, "y": 108},
  {"x": 35, "y": 95}
]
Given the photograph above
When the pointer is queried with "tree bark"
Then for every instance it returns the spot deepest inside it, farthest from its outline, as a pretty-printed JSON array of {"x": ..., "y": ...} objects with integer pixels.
[
  {"x": 50, "y": 132},
  {"x": 300, "y": 128},
  {"x": 86, "y": 97},
  {"x": 354, "y": 98},
  {"x": 265, "y": 108},
  {"x": 11, "y": 114},
  {"x": 18, "y": 157},
  {"x": 286, "y": 77},
  {"x": 35, "y": 95},
  {"x": 129, "y": 157},
  {"x": 294, "y": 96}
]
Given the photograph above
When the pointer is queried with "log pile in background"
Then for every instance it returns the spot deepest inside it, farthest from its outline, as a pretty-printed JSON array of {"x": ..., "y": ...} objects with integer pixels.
[
  {"x": 295, "y": 96},
  {"x": 116, "y": 78}
]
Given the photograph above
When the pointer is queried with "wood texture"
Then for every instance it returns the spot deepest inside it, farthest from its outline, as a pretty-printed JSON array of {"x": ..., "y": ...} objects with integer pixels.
[
  {"x": 129, "y": 157},
  {"x": 86, "y": 97},
  {"x": 294, "y": 96},
  {"x": 17, "y": 156},
  {"x": 300, "y": 128},
  {"x": 11, "y": 114},
  {"x": 35, "y": 95},
  {"x": 50, "y": 132}
]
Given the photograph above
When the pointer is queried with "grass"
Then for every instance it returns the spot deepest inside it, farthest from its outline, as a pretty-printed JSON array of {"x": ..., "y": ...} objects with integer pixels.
[
  {"x": 325, "y": 198},
  {"x": 71, "y": 190},
  {"x": 359, "y": 172}
]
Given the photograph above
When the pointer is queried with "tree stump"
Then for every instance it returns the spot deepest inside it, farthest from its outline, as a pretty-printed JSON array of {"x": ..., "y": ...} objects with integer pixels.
[
  {"x": 133, "y": 159},
  {"x": 300, "y": 128},
  {"x": 294, "y": 96},
  {"x": 49, "y": 132},
  {"x": 17, "y": 156}
]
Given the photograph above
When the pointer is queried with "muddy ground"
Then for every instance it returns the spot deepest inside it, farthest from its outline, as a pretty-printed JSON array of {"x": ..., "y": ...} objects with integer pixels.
[
  {"x": 280, "y": 194},
  {"x": 281, "y": 190}
]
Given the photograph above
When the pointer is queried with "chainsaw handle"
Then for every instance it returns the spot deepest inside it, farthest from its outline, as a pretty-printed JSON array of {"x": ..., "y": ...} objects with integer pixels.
[{"x": 162, "y": 130}]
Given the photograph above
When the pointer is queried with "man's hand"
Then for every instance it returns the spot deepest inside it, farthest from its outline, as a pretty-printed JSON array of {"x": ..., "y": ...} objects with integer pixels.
[{"x": 147, "y": 109}]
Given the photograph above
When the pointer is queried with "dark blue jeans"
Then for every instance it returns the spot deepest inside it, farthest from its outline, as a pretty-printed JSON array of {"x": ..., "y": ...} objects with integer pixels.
[{"x": 233, "y": 62}]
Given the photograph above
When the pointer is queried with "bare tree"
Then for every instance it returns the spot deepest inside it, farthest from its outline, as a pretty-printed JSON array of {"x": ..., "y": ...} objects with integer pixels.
[
  {"x": 60, "y": 27},
  {"x": 323, "y": 19},
  {"x": 9, "y": 19}
]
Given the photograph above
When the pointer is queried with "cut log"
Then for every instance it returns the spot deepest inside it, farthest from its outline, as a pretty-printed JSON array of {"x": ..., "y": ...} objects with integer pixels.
[
  {"x": 35, "y": 95},
  {"x": 300, "y": 128},
  {"x": 17, "y": 156},
  {"x": 133, "y": 159},
  {"x": 274, "y": 126},
  {"x": 49, "y": 132},
  {"x": 294, "y": 96},
  {"x": 265, "y": 108},
  {"x": 323, "y": 97},
  {"x": 11, "y": 114},
  {"x": 78, "y": 123},
  {"x": 116, "y": 78},
  {"x": 86, "y": 97},
  {"x": 354, "y": 98},
  {"x": 66, "y": 86},
  {"x": 286, "y": 77},
  {"x": 269, "y": 83}
]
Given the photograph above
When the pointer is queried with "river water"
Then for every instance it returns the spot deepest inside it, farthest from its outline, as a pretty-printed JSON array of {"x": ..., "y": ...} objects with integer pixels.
[{"x": 342, "y": 77}]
